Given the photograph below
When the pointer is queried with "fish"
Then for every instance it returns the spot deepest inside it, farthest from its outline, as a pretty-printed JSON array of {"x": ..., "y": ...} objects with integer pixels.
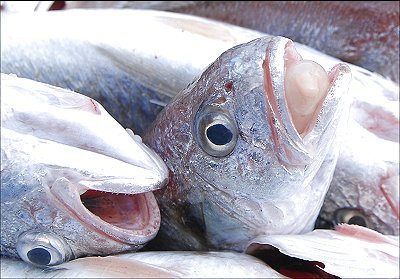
[
  {"x": 243, "y": 158},
  {"x": 349, "y": 251},
  {"x": 168, "y": 68},
  {"x": 363, "y": 33},
  {"x": 73, "y": 181},
  {"x": 157, "y": 264}
]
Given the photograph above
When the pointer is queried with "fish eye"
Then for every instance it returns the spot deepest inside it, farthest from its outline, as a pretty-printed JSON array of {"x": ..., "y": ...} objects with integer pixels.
[
  {"x": 42, "y": 248},
  {"x": 216, "y": 131},
  {"x": 351, "y": 216}
]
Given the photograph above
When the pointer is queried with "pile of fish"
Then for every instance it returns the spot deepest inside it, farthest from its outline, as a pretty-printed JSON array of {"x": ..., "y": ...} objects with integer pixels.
[{"x": 257, "y": 146}]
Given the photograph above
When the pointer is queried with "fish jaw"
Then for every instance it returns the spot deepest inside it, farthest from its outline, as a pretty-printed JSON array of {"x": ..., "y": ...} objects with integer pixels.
[{"x": 80, "y": 164}]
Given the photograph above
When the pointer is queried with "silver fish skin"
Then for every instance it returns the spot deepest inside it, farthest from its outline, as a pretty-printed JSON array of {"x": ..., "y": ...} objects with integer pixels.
[
  {"x": 375, "y": 100},
  {"x": 160, "y": 264},
  {"x": 363, "y": 33},
  {"x": 349, "y": 251},
  {"x": 138, "y": 70},
  {"x": 365, "y": 186},
  {"x": 114, "y": 60},
  {"x": 265, "y": 178},
  {"x": 69, "y": 175}
]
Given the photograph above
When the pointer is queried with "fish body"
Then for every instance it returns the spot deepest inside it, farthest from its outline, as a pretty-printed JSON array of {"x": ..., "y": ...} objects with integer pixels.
[
  {"x": 349, "y": 251},
  {"x": 69, "y": 176},
  {"x": 238, "y": 167},
  {"x": 160, "y": 264},
  {"x": 362, "y": 33}
]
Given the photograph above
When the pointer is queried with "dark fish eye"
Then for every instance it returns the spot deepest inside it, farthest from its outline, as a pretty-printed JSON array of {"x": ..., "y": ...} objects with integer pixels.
[
  {"x": 42, "y": 248},
  {"x": 215, "y": 131},
  {"x": 39, "y": 256},
  {"x": 219, "y": 134},
  {"x": 351, "y": 216},
  {"x": 357, "y": 220}
]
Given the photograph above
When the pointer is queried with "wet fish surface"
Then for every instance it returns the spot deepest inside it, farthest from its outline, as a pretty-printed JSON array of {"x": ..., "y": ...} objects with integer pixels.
[
  {"x": 167, "y": 68},
  {"x": 363, "y": 33},
  {"x": 242, "y": 157},
  {"x": 349, "y": 251},
  {"x": 365, "y": 186},
  {"x": 73, "y": 181},
  {"x": 114, "y": 60},
  {"x": 160, "y": 264}
]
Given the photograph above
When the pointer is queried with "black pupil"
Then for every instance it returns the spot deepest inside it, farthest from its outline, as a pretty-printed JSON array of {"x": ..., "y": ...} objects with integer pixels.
[
  {"x": 218, "y": 134},
  {"x": 357, "y": 220},
  {"x": 39, "y": 256}
]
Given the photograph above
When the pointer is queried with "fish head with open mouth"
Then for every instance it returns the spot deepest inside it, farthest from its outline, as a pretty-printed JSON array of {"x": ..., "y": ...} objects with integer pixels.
[
  {"x": 73, "y": 181},
  {"x": 251, "y": 146}
]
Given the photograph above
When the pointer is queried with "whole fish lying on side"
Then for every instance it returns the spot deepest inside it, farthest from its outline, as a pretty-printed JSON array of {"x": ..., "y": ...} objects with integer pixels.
[
  {"x": 74, "y": 53},
  {"x": 158, "y": 264},
  {"x": 73, "y": 181},
  {"x": 251, "y": 146},
  {"x": 364, "y": 33},
  {"x": 349, "y": 251}
]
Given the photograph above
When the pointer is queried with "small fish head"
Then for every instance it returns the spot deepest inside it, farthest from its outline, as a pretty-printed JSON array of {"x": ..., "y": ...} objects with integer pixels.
[{"x": 71, "y": 175}]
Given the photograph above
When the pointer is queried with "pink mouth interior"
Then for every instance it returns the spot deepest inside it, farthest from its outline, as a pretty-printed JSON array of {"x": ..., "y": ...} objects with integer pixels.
[
  {"x": 292, "y": 57},
  {"x": 128, "y": 212}
]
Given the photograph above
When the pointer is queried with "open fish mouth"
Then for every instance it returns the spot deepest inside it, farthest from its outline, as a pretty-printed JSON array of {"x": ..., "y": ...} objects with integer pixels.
[
  {"x": 303, "y": 99},
  {"x": 125, "y": 211},
  {"x": 133, "y": 219}
]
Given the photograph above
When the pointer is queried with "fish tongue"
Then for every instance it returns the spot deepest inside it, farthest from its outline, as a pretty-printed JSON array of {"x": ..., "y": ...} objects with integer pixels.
[{"x": 306, "y": 84}]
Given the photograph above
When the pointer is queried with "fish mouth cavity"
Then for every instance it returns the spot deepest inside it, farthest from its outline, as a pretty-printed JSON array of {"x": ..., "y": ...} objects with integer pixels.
[
  {"x": 133, "y": 219},
  {"x": 279, "y": 51},
  {"x": 125, "y": 211}
]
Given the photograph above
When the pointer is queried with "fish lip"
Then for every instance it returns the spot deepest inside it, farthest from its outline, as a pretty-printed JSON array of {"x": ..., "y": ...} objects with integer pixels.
[
  {"x": 289, "y": 143},
  {"x": 69, "y": 195}
]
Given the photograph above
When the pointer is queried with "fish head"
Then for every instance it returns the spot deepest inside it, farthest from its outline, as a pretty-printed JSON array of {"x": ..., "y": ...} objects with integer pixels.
[
  {"x": 73, "y": 181},
  {"x": 240, "y": 165}
]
